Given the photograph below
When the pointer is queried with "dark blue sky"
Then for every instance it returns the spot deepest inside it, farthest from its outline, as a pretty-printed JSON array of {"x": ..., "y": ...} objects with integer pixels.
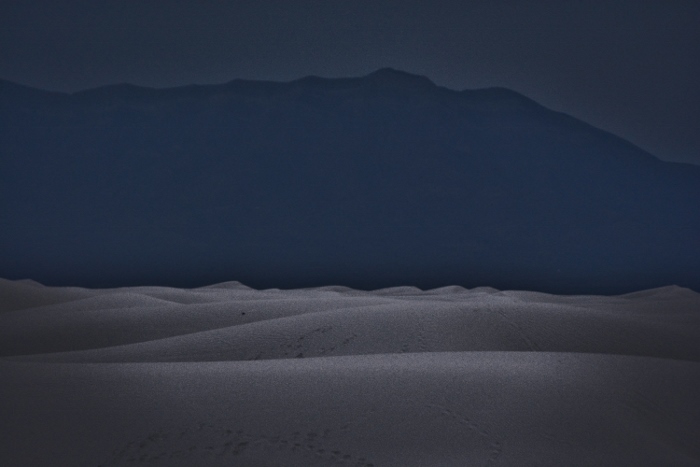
[{"x": 631, "y": 67}]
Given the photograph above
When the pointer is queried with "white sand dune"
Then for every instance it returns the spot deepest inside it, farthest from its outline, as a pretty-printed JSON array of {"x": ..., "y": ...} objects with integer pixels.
[{"x": 230, "y": 376}]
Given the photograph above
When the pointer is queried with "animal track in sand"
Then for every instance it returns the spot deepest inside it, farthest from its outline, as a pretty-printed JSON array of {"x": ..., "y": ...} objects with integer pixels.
[
  {"x": 532, "y": 345},
  {"x": 205, "y": 440},
  {"x": 495, "y": 445},
  {"x": 314, "y": 343}
]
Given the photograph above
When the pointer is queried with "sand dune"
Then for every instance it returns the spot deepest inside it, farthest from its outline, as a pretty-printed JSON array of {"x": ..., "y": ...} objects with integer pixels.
[{"x": 226, "y": 375}]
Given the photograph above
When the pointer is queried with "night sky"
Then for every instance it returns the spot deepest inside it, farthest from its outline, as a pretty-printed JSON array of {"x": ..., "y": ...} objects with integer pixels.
[{"x": 630, "y": 67}]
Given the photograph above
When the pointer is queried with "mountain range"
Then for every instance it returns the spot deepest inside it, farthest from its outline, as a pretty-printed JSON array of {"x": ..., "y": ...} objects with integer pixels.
[{"x": 369, "y": 182}]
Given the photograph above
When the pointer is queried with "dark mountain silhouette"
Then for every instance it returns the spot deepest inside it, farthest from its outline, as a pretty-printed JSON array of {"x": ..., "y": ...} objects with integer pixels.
[{"x": 366, "y": 182}]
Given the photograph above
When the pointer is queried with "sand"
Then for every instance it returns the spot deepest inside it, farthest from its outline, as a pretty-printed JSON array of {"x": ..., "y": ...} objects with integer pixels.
[{"x": 227, "y": 375}]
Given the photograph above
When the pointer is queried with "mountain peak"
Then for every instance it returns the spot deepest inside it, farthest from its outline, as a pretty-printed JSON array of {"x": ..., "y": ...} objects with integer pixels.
[{"x": 394, "y": 77}]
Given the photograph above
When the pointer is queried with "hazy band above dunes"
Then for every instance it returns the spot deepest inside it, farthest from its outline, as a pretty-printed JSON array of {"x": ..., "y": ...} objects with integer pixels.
[
  {"x": 369, "y": 182},
  {"x": 228, "y": 375}
]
